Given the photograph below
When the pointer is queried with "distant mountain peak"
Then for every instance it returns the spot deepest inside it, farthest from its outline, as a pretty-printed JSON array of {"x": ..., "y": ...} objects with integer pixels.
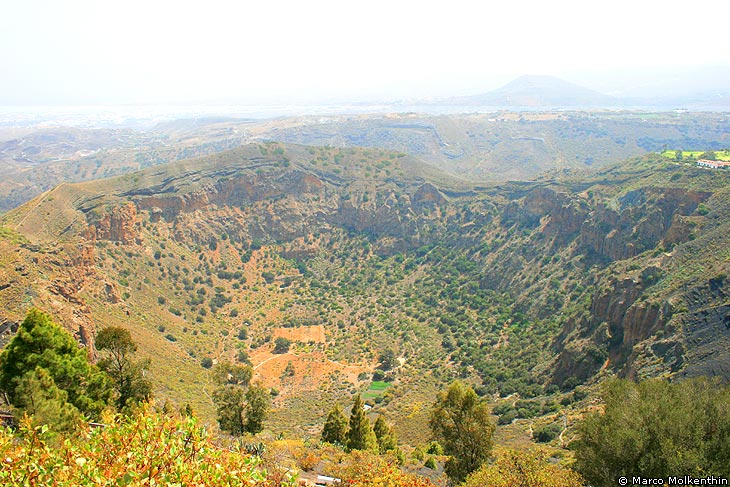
[
  {"x": 541, "y": 81},
  {"x": 539, "y": 91}
]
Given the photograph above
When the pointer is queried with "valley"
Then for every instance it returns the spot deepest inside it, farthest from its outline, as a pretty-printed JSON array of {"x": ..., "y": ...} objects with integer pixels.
[
  {"x": 311, "y": 244},
  {"x": 533, "y": 291}
]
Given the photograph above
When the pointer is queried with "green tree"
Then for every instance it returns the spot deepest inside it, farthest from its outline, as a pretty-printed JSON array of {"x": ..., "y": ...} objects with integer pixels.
[
  {"x": 678, "y": 155},
  {"x": 655, "y": 429},
  {"x": 281, "y": 345},
  {"x": 335, "y": 427},
  {"x": 387, "y": 359},
  {"x": 39, "y": 397},
  {"x": 387, "y": 440},
  {"x": 289, "y": 370},
  {"x": 360, "y": 436},
  {"x": 40, "y": 343},
  {"x": 228, "y": 373},
  {"x": 230, "y": 410},
  {"x": 187, "y": 411},
  {"x": 258, "y": 403},
  {"x": 461, "y": 422},
  {"x": 127, "y": 375}
]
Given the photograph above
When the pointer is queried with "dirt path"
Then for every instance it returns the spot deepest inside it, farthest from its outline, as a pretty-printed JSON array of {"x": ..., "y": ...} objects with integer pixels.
[
  {"x": 269, "y": 359},
  {"x": 41, "y": 199},
  {"x": 340, "y": 364},
  {"x": 565, "y": 428}
]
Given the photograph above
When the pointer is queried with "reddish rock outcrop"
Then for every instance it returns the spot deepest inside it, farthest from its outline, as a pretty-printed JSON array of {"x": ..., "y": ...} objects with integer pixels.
[
  {"x": 117, "y": 224},
  {"x": 428, "y": 195},
  {"x": 630, "y": 321}
]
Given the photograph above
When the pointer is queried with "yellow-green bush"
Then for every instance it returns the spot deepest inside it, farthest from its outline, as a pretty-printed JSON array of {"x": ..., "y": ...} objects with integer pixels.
[
  {"x": 148, "y": 449},
  {"x": 523, "y": 469}
]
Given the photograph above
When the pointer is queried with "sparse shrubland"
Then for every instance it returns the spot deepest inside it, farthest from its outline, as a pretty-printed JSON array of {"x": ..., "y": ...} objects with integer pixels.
[{"x": 325, "y": 286}]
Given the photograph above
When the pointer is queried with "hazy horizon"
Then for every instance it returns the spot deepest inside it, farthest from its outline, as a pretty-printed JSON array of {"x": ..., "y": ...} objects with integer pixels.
[{"x": 91, "y": 53}]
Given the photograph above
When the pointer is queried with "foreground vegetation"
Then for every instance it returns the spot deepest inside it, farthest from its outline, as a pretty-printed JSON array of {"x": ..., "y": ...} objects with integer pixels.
[
  {"x": 146, "y": 449},
  {"x": 653, "y": 429}
]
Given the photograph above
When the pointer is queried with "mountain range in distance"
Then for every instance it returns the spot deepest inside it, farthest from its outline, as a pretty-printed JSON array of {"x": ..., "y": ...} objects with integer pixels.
[{"x": 531, "y": 92}]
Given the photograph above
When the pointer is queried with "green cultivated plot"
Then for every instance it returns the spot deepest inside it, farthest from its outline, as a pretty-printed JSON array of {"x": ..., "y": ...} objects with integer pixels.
[{"x": 719, "y": 155}]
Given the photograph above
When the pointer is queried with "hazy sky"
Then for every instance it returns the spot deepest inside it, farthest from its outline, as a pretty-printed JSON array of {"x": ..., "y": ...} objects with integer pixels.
[{"x": 152, "y": 51}]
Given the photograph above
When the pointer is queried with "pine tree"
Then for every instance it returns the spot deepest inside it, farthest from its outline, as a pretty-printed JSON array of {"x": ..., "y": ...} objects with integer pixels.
[
  {"x": 335, "y": 428},
  {"x": 387, "y": 439},
  {"x": 40, "y": 343},
  {"x": 360, "y": 435},
  {"x": 39, "y": 397}
]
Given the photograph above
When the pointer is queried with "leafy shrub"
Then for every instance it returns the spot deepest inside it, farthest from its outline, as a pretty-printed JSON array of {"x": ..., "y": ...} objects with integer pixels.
[
  {"x": 654, "y": 429},
  {"x": 547, "y": 433},
  {"x": 500, "y": 409},
  {"x": 528, "y": 409},
  {"x": 148, "y": 449},
  {"x": 281, "y": 345},
  {"x": 367, "y": 470},
  {"x": 507, "y": 417},
  {"x": 435, "y": 448},
  {"x": 513, "y": 468}
]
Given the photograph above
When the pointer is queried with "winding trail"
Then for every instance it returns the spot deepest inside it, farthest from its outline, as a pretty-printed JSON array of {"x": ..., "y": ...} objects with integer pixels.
[
  {"x": 340, "y": 364},
  {"x": 565, "y": 428},
  {"x": 41, "y": 199}
]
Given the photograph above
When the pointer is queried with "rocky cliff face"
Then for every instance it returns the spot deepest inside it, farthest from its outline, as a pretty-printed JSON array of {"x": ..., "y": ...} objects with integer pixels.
[
  {"x": 705, "y": 328},
  {"x": 622, "y": 328},
  {"x": 53, "y": 279},
  {"x": 279, "y": 205},
  {"x": 557, "y": 213},
  {"x": 230, "y": 188},
  {"x": 117, "y": 224},
  {"x": 641, "y": 220}
]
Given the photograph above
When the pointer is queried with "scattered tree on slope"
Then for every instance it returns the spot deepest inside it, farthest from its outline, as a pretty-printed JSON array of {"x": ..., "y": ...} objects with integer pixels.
[
  {"x": 335, "y": 427},
  {"x": 127, "y": 375},
  {"x": 387, "y": 440}
]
